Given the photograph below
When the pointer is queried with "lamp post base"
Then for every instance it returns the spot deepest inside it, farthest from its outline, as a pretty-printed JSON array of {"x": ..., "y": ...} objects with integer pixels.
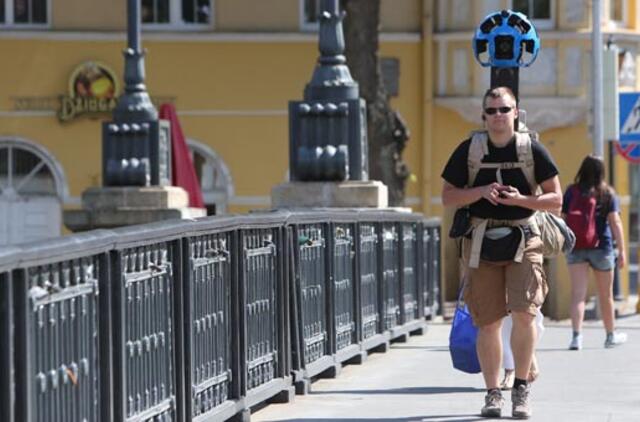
[
  {"x": 110, "y": 207},
  {"x": 349, "y": 194}
]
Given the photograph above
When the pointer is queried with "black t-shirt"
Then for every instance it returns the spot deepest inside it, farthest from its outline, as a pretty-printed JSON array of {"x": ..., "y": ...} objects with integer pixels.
[{"x": 456, "y": 172}]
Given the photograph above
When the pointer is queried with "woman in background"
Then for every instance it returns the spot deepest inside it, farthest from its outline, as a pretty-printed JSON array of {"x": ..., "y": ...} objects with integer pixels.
[{"x": 592, "y": 210}]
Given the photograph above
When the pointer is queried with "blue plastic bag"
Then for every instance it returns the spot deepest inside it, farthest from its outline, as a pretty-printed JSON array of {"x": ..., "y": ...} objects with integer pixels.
[{"x": 462, "y": 341}]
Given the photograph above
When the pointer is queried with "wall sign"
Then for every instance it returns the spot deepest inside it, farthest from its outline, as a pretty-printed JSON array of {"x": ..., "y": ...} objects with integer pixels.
[{"x": 93, "y": 88}]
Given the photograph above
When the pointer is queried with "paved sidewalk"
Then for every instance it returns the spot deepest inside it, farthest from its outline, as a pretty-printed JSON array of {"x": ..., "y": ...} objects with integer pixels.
[{"x": 415, "y": 382}]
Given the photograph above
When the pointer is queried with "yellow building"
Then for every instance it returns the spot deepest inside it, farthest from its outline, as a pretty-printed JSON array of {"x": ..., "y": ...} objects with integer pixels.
[{"x": 231, "y": 66}]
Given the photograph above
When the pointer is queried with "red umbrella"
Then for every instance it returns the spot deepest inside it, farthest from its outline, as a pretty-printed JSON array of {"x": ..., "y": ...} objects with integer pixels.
[{"x": 183, "y": 173}]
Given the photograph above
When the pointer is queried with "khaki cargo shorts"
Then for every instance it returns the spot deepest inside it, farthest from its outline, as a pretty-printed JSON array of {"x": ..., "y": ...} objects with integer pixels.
[{"x": 496, "y": 288}]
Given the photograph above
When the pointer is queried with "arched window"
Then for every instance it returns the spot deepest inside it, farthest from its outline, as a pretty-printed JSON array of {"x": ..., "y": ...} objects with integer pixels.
[
  {"x": 32, "y": 187},
  {"x": 214, "y": 177}
]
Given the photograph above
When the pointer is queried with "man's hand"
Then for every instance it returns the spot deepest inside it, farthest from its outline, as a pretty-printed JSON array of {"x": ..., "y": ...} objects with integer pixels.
[
  {"x": 491, "y": 192},
  {"x": 509, "y": 195}
]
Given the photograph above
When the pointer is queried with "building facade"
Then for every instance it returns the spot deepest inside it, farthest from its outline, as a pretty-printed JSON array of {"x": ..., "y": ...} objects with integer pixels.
[{"x": 231, "y": 66}]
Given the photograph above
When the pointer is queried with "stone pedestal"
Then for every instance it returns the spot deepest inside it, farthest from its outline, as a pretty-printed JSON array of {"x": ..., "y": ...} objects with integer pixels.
[
  {"x": 350, "y": 194},
  {"x": 109, "y": 207}
]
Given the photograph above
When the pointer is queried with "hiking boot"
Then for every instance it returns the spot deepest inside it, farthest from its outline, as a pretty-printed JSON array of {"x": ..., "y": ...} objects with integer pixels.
[
  {"x": 493, "y": 402},
  {"x": 507, "y": 381},
  {"x": 615, "y": 339},
  {"x": 576, "y": 342},
  {"x": 520, "y": 402}
]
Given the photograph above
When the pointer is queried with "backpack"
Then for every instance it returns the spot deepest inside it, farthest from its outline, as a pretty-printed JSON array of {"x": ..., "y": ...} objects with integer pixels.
[
  {"x": 581, "y": 218},
  {"x": 555, "y": 235}
]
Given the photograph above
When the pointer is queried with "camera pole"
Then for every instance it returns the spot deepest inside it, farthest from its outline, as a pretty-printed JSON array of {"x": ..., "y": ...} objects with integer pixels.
[{"x": 506, "y": 76}]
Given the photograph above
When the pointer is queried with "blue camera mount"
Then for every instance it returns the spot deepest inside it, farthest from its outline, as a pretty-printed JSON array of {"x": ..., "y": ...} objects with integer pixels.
[{"x": 506, "y": 41}]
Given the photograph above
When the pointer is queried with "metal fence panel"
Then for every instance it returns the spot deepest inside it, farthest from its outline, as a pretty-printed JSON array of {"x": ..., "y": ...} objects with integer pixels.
[
  {"x": 343, "y": 295},
  {"x": 259, "y": 278},
  {"x": 369, "y": 281},
  {"x": 57, "y": 356},
  {"x": 144, "y": 339},
  {"x": 431, "y": 267},
  {"x": 311, "y": 279},
  {"x": 427, "y": 275},
  {"x": 7, "y": 382},
  {"x": 410, "y": 282},
  {"x": 390, "y": 269},
  {"x": 435, "y": 281},
  {"x": 208, "y": 312}
]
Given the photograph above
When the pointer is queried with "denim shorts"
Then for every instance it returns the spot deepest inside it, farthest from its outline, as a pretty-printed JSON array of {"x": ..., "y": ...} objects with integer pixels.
[{"x": 598, "y": 259}]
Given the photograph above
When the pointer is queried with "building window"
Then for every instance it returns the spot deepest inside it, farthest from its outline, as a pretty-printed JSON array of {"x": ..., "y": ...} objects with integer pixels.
[
  {"x": 24, "y": 12},
  {"x": 617, "y": 9},
  {"x": 162, "y": 14},
  {"x": 309, "y": 13},
  {"x": 539, "y": 11}
]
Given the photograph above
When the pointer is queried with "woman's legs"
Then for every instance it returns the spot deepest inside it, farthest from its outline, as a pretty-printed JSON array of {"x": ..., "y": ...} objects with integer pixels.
[
  {"x": 579, "y": 274},
  {"x": 507, "y": 355},
  {"x": 535, "y": 371},
  {"x": 604, "y": 283}
]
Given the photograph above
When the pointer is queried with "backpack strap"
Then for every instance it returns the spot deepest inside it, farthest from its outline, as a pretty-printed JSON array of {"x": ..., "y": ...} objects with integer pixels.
[
  {"x": 525, "y": 157},
  {"x": 478, "y": 148}
]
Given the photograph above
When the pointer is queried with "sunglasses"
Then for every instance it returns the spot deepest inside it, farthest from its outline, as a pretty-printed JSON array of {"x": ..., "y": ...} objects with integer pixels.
[{"x": 493, "y": 110}]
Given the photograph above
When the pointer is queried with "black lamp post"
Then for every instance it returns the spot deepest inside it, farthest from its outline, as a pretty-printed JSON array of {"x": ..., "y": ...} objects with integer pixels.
[
  {"x": 136, "y": 145},
  {"x": 327, "y": 130}
]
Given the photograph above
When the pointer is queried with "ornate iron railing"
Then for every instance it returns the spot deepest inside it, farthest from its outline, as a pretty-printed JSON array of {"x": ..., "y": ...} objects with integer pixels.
[{"x": 201, "y": 320}]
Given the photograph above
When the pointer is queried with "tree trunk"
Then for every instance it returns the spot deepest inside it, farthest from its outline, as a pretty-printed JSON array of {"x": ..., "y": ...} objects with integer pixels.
[{"x": 387, "y": 132}]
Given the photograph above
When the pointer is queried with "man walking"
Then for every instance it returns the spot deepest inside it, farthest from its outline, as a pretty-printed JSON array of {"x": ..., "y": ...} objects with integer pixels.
[{"x": 503, "y": 177}]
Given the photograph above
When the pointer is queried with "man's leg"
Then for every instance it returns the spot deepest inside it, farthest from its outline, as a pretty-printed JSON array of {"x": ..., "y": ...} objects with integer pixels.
[
  {"x": 485, "y": 295},
  {"x": 489, "y": 347},
  {"x": 523, "y": 340},
  {"x": 526, "y": 291}
]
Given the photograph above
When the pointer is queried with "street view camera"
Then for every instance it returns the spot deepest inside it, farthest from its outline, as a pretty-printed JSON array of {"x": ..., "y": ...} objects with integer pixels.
[{"x": 506, "y": 41}]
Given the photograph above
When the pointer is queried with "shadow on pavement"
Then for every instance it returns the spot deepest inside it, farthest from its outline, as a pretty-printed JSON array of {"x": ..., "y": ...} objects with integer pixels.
[
  {"x": 442, "y": 418},
  {"x": 408, "y": 390},
  {"x": 427, "y": 348}
]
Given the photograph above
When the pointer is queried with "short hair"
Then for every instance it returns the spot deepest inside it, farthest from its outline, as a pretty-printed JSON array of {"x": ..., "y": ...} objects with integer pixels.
[{"x": 498, "y": 92}]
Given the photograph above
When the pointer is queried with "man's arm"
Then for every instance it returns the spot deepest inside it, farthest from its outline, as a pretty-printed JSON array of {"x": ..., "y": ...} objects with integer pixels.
[
  {"x": 459, "y": 197},
  {"x": 549, "y": 200}
]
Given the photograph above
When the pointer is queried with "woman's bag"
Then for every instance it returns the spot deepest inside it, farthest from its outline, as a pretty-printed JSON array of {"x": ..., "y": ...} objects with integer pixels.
[{"x": 462, "y": 340}]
